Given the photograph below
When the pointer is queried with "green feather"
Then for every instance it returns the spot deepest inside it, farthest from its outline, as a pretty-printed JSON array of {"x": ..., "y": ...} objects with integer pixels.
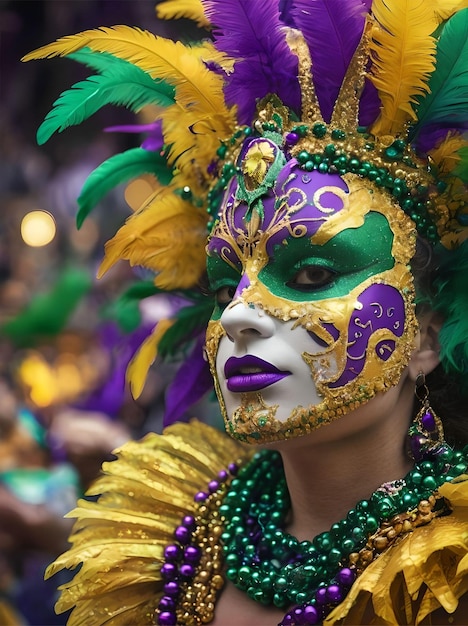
[
  {"x": 451, "y": 299},
  {"x": 461, "y": 170},
  {"x": 99, "y": 61},
  {"x": 125, "y": 311},
  {"x": 191, "y": 320},
  {"x": 447, "y": 100},
  {"x": 126, "y": 85},
  {"x": 48, "y": 313},
  {"x": 118, "y": 169}
]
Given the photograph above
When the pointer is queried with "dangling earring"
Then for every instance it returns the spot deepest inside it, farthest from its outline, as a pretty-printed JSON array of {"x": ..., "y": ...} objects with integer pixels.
[{"x": 426, "y": 431}]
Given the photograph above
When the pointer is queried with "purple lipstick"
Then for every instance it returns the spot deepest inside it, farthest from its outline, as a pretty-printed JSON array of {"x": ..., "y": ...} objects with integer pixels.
[{"x": 249, "y": 373}]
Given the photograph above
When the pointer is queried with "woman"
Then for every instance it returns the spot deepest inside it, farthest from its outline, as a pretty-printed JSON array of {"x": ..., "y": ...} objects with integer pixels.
[{"x": 318, "y": 149}]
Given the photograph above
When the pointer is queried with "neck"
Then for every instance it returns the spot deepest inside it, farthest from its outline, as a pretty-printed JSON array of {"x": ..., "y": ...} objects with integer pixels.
[{"x": 328, "y": 474}]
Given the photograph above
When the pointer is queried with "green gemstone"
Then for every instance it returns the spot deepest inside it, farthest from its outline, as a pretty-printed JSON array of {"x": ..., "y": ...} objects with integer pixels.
[
  {"x": 392, "y": 152},
  {"x": 338, "y": 134},
  {"x": 221, "y": 151},
  {"x": 303, "y": 156},
  {"x": 319, "y": 130},
  {"x": 323, "y": 168}
]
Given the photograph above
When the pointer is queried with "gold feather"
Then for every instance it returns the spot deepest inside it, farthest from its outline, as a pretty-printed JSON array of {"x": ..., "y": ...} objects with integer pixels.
[
  {"x": 424, "y": 571},
  {"x": 161, "y": 58},
  {"x": 119, "y": 541},
  {"x": 402, "y": 51},
  {"x": 446, "y": 155},
  {"x": 200, "y": 117},
  {"x": 168, "y": 236},
  {"x": 137, "y": 370},
  {"x": 190, "y": 9},
  {"x": 446, "y": 8}
]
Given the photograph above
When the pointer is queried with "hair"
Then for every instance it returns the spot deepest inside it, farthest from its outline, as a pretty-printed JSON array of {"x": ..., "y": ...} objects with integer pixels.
[{"x": 435, "y": 277}]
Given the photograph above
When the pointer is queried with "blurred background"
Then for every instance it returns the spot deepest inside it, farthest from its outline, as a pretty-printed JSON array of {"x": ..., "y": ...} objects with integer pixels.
[{"x": 64, "y": 403}]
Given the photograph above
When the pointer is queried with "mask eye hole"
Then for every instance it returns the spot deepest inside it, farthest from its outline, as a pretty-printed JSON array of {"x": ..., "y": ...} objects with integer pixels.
[
  {"x": 312, "y": 277},
  {"x": 225, "y": 294}
]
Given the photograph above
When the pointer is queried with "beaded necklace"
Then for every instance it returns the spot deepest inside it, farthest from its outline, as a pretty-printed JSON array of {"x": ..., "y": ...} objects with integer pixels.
[{"x": 245, "y": 513}]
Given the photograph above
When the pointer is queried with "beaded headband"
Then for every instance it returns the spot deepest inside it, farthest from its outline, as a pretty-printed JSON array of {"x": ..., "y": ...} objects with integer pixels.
[{"x": 376, "y": 88}]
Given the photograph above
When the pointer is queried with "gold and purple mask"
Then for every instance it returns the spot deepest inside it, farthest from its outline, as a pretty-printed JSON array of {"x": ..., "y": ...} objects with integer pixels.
[{"x": 315, "y": 298}]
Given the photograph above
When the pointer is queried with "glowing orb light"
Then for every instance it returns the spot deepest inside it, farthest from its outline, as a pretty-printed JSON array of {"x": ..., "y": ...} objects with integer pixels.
[{"x": 38, "y": 228}]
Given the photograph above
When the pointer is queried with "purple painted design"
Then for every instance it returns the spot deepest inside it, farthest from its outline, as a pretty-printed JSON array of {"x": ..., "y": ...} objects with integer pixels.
[
  {"x": 383, "y": 307},
  {"x": 244, "y": 283},
  {"x": 293, "y": 194}
]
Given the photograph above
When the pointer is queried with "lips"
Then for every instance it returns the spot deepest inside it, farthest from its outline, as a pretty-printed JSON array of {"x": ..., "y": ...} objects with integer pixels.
[{"x": 249, "y": 373}]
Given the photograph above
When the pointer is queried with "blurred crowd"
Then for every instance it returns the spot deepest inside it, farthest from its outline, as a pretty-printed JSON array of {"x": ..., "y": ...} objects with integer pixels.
[{"x": 64, "y": 402}]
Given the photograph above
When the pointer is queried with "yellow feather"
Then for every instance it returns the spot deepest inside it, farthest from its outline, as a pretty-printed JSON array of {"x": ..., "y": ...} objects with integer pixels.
[
  {"x": 445, "y": 156},
  {"x": 175, "y": 9},
  {"x": 138, "y": 367},
  {"x": 403, "y": 58},
  {"x": 159, "y": 57},
  {"x": 168, "y": 236},
  {"x": 446, "y": 8}
]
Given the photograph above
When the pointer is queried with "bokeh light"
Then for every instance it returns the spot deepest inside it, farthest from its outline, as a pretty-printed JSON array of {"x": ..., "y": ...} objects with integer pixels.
[{"x": 38, "y": 228}]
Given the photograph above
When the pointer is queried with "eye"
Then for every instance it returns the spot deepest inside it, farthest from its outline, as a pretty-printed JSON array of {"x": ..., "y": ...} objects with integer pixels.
[
  {"x": 225, "y": 294},
  {"x": 312, "y": 277}
]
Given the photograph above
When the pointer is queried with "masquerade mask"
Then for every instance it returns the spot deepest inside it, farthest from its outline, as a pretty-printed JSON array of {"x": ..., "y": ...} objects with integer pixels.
[{"x": 325, "y": 256}]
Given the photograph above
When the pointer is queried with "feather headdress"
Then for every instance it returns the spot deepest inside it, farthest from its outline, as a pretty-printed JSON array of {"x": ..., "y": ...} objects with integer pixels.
[{"x": 374, "y": 87}]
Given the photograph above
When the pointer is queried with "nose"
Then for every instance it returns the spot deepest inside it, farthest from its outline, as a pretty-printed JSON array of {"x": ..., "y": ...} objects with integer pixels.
[{"x": 243, "y": 321}]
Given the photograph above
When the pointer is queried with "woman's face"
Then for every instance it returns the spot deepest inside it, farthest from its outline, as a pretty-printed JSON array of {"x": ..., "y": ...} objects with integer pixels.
[{"x": 315, "y": 301}]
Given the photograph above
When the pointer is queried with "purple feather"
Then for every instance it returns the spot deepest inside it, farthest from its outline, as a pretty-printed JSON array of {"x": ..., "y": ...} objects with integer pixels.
[
  {"x": 153, "y": 142},
  {"x": 332, "y": 29},
  {"x": 251, "y": 31},
  {"x": 432, "y": 134},
  {"x": 369, "y": 104},
  {"x": 192, "y": 381}
]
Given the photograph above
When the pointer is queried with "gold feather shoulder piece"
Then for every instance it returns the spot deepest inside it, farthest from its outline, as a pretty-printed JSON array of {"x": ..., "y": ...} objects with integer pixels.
[
  {"x": 403, "y": 54},
  {"x": 190, "y": 9},
  {"x": 426, "y": 571},
  {"x": 119, "y": 540}
]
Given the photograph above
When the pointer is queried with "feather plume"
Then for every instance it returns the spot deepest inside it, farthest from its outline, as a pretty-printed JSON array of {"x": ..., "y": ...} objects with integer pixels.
[
  {"x": 166, "y": 236},
  {"x": 403, "y": 59},
  {"x": 447, "y": 100},
  {"x": 192, "y": 381},
  {"x": 461, "y": 170},
  {"x": 332, "y": 30},
  {"x": 199, "y": 92},
  {"x": 253, "y": 33},
  {"x": 190, "y": 322},
  {"x": 446, "y": 8},
  {"x": 175, "y": 9},
  {"x": 193, "y": 139},
  {"x": 126, "y": 85},
  {"x": 138, "y": 367},
  {"x": 161, "y": 58},
  {"x": 446, "y": 156},
  {"x": 451, "y": 300},
  {"x": 119, "y": 168}
]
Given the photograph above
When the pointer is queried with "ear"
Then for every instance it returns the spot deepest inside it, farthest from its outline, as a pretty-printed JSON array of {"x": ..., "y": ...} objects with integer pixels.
[{"x": 425, "y": 357}]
